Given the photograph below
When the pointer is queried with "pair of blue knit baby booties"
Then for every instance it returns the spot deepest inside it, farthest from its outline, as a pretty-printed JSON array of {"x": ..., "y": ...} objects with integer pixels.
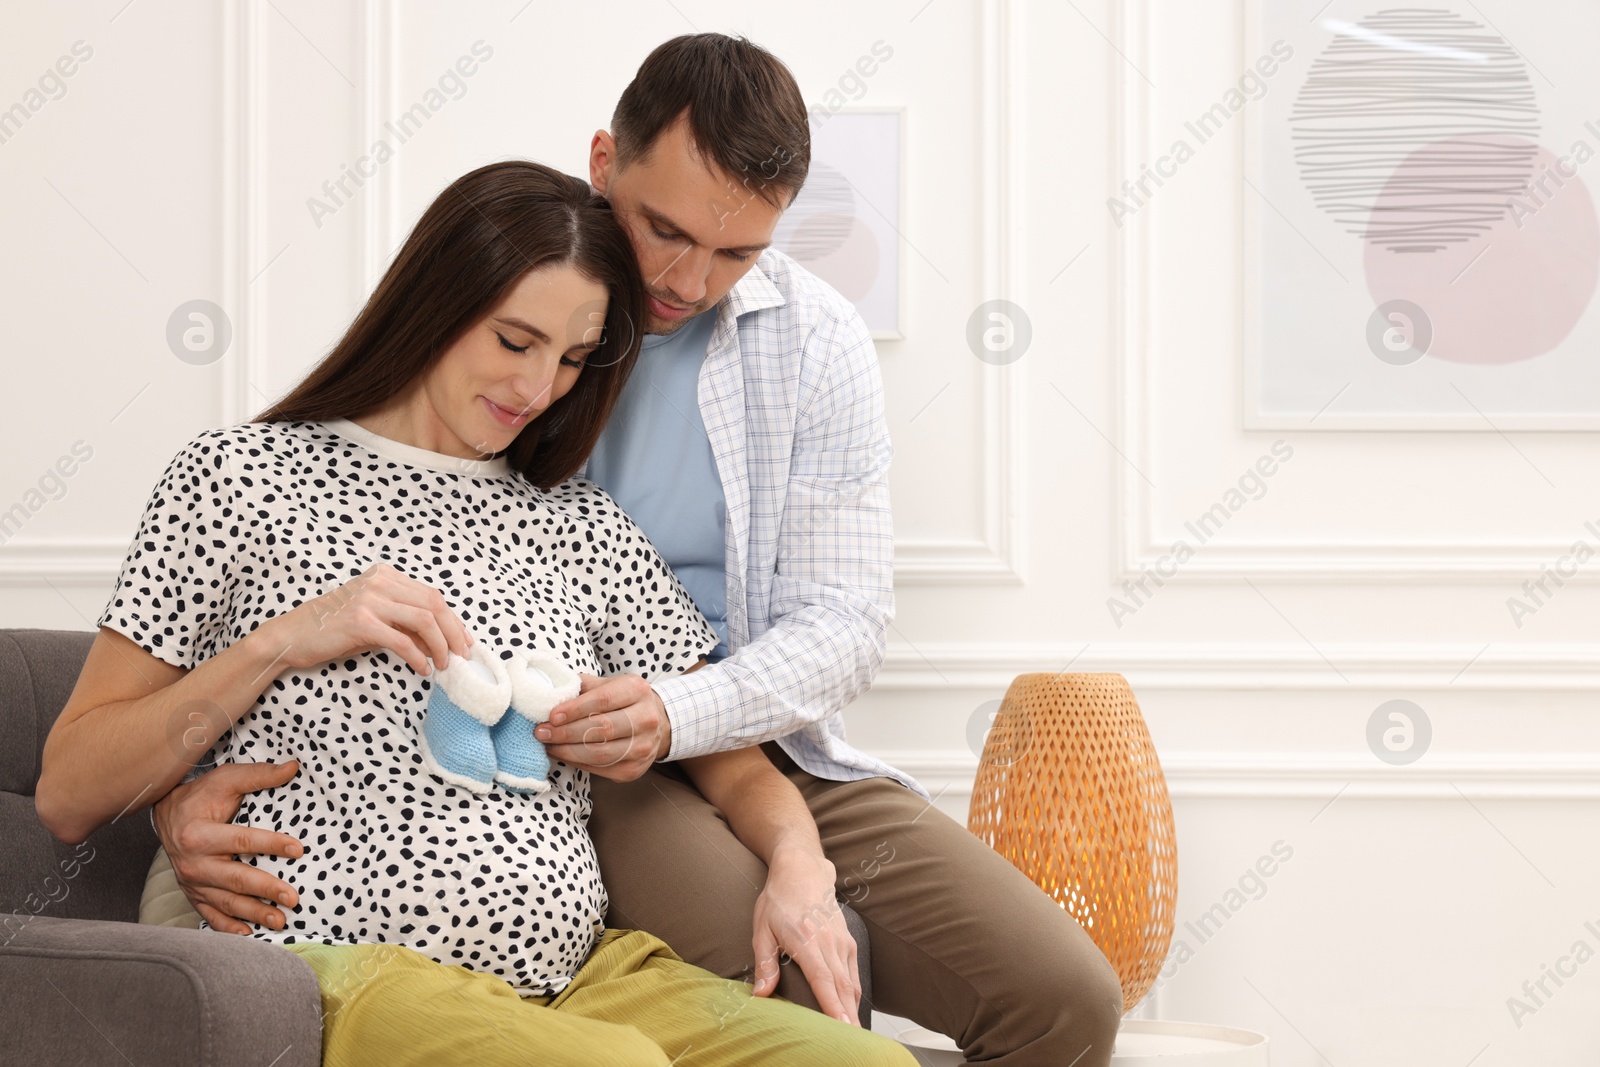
[{"x": 478, "y": 730}]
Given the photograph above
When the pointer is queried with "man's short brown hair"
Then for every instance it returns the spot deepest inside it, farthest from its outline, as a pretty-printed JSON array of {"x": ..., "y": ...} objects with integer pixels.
[{"x": 743, "y": 107}]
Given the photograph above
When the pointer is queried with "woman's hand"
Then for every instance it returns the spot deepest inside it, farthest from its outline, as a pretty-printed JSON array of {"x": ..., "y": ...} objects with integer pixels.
[
  {"x": 380, "y": 608},
  {"x": 798, "y": 915}
]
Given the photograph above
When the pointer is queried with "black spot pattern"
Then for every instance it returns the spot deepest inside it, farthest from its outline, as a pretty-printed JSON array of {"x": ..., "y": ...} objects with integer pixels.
[{"x": 250, "y": 521}]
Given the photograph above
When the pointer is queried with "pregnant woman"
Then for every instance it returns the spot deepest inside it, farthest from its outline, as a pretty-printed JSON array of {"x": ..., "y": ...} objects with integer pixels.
[{"x": 351, "y": 580}]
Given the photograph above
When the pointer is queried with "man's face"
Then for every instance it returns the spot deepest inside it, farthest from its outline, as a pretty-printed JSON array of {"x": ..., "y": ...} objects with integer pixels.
[{"x": 695, "y": 230}]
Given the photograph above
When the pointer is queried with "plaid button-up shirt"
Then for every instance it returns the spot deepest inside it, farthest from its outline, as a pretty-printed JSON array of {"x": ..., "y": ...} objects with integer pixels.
[{"x": 793, "y": 404}]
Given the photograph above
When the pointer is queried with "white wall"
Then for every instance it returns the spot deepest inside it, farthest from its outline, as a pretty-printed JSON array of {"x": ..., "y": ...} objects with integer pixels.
[{"x": 178, "y": 164}]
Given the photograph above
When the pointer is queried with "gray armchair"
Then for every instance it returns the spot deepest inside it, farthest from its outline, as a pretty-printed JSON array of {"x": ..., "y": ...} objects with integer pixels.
[{"x": 81, "y": 982}]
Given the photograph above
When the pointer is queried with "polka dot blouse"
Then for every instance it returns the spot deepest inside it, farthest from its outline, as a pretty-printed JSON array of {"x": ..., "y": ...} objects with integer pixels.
[{"x": 250, "y": 521}]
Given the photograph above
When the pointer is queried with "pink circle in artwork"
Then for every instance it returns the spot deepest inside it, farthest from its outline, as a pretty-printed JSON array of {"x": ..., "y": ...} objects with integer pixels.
[
  {"x": 1512, "y": 292},
  {"x": 849, "y": 265}
]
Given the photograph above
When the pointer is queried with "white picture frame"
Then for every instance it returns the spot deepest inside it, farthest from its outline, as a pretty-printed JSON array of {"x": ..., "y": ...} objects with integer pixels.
[
  {"x": 1329, "y": 329},
  {"x": 846, "y": 222}
]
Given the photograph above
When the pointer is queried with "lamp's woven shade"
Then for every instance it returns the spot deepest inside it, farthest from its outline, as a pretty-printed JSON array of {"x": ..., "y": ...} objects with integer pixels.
[{"x": 1071, "y": 792}]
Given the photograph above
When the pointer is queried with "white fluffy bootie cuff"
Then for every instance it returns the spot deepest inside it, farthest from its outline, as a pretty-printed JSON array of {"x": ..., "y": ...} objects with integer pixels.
[
  {"x": 539, "y": 681},
  {"x": 469, "y": 696}
]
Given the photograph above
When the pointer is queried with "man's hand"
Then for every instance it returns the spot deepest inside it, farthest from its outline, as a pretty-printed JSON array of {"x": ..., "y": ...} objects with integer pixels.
[
  {"x": 616, "y": 727},
  {"x": 798, "y": 915},
  {"x": 195, "y": 822}
]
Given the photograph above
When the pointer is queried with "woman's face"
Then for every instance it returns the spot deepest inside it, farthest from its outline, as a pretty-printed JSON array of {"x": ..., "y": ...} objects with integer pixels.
[{"x": 514, "y": 363}]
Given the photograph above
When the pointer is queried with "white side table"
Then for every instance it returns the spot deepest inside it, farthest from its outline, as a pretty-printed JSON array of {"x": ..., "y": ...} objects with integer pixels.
[{"x": 1140, "y": 1043}]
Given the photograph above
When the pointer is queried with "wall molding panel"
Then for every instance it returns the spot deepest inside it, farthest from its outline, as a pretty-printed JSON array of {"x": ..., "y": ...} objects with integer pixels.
[
  {"x": 1137, "y": 545},
  {"x": 242, "y": 94},
  {"x": 998, "y": 557},
  {"x": 948, "y": 776},
  {"x": 25, "y": 564},
  {"x": 1201, "y": 667},
  {"x": 245, "y": 71}
]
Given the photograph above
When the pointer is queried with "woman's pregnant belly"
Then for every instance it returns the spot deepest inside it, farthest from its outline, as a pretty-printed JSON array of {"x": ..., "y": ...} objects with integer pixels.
[{"x": 501, "y": 883}]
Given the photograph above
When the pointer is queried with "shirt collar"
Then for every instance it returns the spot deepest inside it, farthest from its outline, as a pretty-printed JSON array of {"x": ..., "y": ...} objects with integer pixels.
[{"x": 755, "y": 291}]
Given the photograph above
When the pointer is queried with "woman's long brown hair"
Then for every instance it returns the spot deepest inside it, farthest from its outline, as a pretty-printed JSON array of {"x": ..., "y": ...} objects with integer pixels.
[{"x": 472, "y": 245}]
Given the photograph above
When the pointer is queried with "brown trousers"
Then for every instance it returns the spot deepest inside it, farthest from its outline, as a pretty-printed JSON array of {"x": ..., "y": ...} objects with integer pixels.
[{"x": 962, "y": 943}]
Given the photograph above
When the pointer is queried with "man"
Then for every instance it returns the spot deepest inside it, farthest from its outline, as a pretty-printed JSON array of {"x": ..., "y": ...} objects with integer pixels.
[{"x": 751, "y": 447}]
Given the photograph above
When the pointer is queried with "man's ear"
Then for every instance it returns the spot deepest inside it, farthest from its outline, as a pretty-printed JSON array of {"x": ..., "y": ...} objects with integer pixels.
[{"x": 602, "y": 160}]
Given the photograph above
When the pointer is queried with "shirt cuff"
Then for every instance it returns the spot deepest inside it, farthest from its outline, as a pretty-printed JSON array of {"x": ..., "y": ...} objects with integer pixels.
[{"x": 688, "y": 698}]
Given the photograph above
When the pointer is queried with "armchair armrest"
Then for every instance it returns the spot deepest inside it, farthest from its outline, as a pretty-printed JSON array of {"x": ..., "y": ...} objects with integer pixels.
[
  {"x": 858, "y": 930},
  {"x": 83, "y": 991}
]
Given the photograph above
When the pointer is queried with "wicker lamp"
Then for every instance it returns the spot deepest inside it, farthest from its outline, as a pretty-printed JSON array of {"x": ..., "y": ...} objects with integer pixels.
[{"x": 1069, "y": 789}]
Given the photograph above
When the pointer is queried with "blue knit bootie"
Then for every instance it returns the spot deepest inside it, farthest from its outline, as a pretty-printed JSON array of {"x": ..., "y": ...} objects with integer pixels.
[
  {"x": 469, "y": 696},
  {"x": 539, "y": 681}
]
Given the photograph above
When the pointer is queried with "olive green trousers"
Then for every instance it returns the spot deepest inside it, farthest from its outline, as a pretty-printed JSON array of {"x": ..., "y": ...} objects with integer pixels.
[{"x": 632, "y": 1002}]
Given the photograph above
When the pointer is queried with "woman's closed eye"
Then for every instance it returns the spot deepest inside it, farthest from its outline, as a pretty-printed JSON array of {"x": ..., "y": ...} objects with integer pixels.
[{"x": 566, "y": 361}]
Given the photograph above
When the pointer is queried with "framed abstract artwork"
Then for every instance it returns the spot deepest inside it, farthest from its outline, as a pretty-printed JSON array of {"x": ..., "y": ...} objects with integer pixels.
[
  {"x": 1422, "y": 248},
  {"x": 845, "y": 225}
]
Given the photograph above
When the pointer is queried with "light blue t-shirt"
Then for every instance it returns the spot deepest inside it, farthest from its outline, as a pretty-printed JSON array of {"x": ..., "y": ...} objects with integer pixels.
[{"x": 655, "y": 460}]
